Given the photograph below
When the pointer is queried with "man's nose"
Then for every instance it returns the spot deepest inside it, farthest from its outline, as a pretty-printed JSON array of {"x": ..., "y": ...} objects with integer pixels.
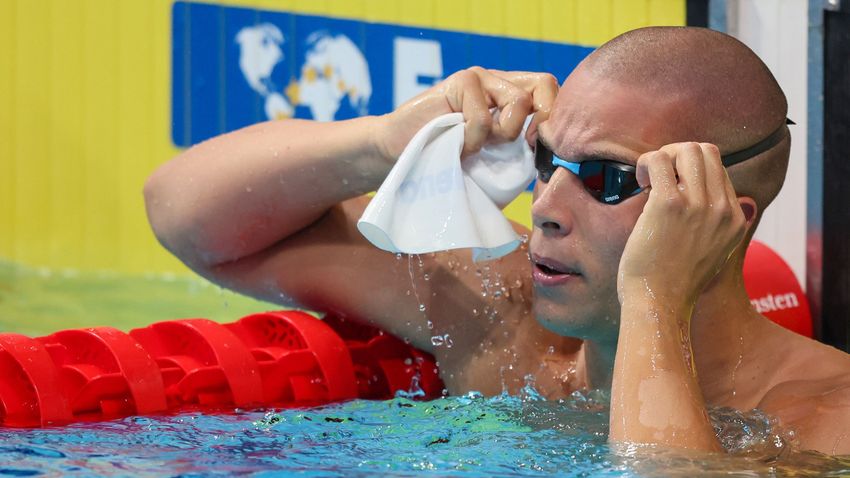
[{"x": 551, "y": 211}]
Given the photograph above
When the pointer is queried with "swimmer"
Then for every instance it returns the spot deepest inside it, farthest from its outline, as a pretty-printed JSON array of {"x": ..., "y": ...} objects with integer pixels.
[{"x": 637, "y": 287}]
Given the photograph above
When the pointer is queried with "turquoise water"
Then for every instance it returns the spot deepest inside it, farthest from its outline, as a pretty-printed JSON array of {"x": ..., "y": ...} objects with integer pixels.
[{"x": 453, "y": 436}]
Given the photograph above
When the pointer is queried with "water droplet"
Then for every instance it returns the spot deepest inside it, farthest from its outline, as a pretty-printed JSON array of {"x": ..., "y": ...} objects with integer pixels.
[
  {"x": 421, "y": 307},
  {"x": 439, "y": 340}
]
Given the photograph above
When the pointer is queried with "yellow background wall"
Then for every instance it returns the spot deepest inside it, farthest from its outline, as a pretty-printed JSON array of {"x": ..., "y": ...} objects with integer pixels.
[{"x": 85, "y": 107}]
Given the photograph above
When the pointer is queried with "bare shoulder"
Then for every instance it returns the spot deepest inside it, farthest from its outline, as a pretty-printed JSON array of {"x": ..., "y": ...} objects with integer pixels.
[{"x": 817, "y": 410}]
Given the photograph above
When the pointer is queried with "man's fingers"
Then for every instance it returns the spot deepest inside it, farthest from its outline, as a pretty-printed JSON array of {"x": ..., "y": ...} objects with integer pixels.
[
  {"x": 655, "y": 169},
  {"x": 516, "y": 94},
  {"x": 514, "y": 103},
  {"x": 543, "y": 88},
  {"x": 716, "y": 179},
  {"x": 690, "y": 169},
  {"x": 466, "y": 95},
  {"x": 722, "y": 193}
]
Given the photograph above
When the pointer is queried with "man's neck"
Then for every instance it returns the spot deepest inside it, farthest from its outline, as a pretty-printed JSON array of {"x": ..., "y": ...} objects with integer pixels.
[
  {"x": 726, "y": 335},
  {"x": 598, "y": 358},
  {"x": 721, "y": 315}
]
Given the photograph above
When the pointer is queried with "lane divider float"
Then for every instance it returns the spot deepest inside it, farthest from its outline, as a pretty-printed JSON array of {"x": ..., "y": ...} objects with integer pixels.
[{"x": 271, "y": 359}]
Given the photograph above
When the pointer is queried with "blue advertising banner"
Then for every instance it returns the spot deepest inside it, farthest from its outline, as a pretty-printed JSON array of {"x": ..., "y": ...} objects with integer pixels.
[{"x": 234, "y": 66}]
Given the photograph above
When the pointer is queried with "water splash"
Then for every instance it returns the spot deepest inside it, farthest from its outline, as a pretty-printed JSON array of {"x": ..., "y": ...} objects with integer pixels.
[
  {"x": 528, "y": 393},
  {"x": 752, "y": 432},
  {"x": 413, "y": 392}
]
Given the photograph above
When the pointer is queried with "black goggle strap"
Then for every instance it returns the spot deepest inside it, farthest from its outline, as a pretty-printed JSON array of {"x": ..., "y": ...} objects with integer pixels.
[{"x": 756, "y": 149}]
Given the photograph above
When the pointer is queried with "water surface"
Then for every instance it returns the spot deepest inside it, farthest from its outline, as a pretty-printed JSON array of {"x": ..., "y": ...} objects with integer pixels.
[{"x": 454, "y": 436}]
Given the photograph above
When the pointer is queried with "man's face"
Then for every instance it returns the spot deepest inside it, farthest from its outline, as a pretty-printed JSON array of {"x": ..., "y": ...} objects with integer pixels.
[{"x": 577, "y": 241}]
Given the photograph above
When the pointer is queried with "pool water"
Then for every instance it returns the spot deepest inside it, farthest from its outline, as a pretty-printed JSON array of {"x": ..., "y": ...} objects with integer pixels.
[{"x": 454, "y": 436}]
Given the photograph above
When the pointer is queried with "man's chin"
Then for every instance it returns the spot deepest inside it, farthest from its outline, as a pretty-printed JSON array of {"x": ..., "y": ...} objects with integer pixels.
[{"x": 570, "y": 325}]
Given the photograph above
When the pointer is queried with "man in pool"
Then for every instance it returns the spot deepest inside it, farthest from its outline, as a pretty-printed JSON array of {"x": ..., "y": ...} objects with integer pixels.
[{"x": 649, "y": 273}]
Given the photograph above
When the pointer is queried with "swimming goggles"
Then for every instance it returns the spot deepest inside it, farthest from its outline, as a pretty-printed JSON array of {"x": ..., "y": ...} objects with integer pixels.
[{"x": 612, "y": 182}]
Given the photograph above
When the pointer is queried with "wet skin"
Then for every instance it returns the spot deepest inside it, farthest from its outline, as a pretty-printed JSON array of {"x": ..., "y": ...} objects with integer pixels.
[
  {"x": 273, "y": 231},
  {"x": 572, "y": 228},
  {"x": 576, "y": 234}
]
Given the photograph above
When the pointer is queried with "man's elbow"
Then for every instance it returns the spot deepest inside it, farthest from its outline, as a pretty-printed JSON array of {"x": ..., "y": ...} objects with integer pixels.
[{"x": 167, "y": 218}]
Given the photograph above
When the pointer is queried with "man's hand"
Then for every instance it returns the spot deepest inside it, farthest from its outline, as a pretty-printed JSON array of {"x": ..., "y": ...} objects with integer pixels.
[
  {"x": 688, "y": 229},
  {"x": 473, "y": 92},
  {"x": 690, "y": 225}
]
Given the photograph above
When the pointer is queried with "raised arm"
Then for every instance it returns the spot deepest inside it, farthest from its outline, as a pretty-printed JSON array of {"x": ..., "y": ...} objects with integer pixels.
[
  {"x": 270, "y": 210},
  {"x": 239, "y": 193},
  {"x": 690, "y": 225}
]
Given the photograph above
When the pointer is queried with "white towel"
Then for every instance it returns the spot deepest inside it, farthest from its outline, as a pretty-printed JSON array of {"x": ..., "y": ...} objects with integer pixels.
[{"x": 431, "y": 201}]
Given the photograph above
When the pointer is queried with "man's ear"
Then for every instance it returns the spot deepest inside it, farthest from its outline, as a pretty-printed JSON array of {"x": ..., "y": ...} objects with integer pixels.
[{"x": 750, "y": 208}]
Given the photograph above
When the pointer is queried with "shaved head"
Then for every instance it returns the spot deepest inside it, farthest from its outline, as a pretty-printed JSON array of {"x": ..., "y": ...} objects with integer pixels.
[
  {"x": 728, "y": 95},
  {"x": 719, "y": 91}
]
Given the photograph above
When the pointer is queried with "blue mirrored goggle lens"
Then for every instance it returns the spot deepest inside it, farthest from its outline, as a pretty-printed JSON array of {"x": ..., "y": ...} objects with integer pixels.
[{"x": 607, "y": 181}]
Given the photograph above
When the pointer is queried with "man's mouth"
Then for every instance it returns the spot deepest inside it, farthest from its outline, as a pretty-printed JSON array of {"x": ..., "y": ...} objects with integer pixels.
[{"x": 549, "y": 272}]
